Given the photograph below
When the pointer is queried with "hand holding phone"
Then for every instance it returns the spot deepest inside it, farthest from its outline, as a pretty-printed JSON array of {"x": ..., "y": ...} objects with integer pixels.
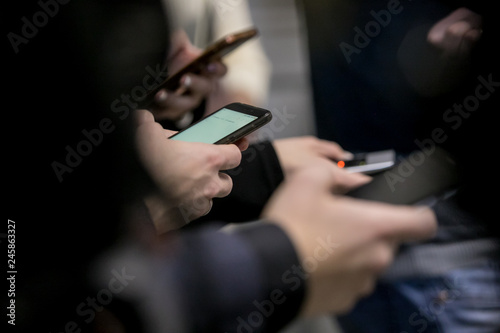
[
  {"x": 226, "y": 125},
  {"x": 213, "y": 52}
]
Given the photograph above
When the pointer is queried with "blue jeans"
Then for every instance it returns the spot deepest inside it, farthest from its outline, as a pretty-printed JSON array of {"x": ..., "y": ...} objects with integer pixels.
[{"x": 461, "y": 301}]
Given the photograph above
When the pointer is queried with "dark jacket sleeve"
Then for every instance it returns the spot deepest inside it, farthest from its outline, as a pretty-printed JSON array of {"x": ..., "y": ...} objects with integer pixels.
[{"x": 241, "y": 281}]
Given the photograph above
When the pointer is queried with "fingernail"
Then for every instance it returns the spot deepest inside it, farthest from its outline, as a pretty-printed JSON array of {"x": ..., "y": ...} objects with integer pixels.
[
  {"x": 211, "y": 67},
  {"x": 186, "y": 81},
  {"x": 348, "y": 156},
  {"x": 161, "y": 96}
]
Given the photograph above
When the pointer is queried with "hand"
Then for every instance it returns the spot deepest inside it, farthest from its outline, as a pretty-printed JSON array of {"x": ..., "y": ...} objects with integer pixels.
[
  {"x": 457, "y": 33},
  {"x": 362, "y": 237},
  {"x": 187, "y": 174},
  {"x": 173, "y": 105},
  {"x": 294, "y": 153}
]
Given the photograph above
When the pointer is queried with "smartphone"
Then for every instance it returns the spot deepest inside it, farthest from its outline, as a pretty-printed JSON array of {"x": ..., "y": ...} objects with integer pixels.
[
  {"x": 371, "y": 162},
  {"x": 417, "y": 179},
  {"x": 211, "y": 53},
  {"x": 226, "y": 125}
]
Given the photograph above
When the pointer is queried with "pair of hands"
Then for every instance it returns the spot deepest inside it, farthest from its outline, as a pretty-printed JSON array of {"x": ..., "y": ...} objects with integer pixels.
[{"x": 308, "y": 206}]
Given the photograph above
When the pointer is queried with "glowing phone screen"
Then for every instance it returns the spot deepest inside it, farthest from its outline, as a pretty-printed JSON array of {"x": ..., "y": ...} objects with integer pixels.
[{"x": 215, "y": 127}]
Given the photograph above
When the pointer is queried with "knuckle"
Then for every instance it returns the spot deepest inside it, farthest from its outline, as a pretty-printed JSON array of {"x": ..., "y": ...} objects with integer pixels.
[
  {"x": 211, "y": 190},
  {"x": 383, "y": 258},
  {"x": 368, "y": 287},
  {"x": 149, "y": 128},
  {"x": 214, "y": 160},
  {"x": 227, "y": 185}
]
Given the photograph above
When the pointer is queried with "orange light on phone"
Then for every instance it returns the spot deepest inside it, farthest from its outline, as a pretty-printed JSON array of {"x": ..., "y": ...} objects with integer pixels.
[{"x": 341, "y": 164}]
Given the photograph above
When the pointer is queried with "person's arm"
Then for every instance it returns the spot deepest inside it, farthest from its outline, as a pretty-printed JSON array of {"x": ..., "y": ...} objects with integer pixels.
[{"x": 242, "y": 285}]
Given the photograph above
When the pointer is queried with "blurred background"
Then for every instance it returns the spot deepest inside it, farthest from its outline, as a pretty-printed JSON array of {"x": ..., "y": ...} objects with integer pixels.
[{"x": 284, "y": 42}]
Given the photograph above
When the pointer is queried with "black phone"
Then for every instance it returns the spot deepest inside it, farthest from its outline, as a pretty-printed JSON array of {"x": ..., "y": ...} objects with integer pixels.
[
  {"x": 418, "y": 178},
  {"x": 213, "y": 52},
  {"x": 226, "y": 125}
]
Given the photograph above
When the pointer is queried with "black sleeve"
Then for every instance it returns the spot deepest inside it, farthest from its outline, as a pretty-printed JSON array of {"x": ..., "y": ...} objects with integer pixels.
[
  {"x": 237, "y": 282},
  {"x": 254, "y": 181}
]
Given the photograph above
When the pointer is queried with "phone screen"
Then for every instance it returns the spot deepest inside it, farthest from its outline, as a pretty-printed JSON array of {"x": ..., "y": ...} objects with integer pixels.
[{"x": 215, "y": 127}]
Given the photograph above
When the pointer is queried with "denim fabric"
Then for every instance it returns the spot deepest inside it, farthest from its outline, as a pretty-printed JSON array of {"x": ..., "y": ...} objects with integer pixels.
[{"x": 462, "y": 301}]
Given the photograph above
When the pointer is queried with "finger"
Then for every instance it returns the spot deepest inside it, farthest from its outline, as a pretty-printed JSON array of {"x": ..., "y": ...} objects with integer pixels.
[
  {"x": 397, "y": 223},
  {"x": 226, "y": 185},
  {"x": 319, "y": 176},
  {"x": 215, "y": 69},
  {"x": 469, "y": 40},
  {"x": 225, "y": 157},
  {"x": 421, "y": 224},
  {"x": 181, "y": 51},
  {"x": 454, "y": 35},
  {"x": 161, "y": 97},
  {"x": 175, "y": 107},
  {"x": 210, "y": 205},
  {"x": 346, "y": 181},
  {"x": 143, "y": 116},
  {"x": 333, "y": 150},
  {"x": 381, "y": 256},
  {"x": 198, "y": 207},
  {"x": 197, "y": 85},
  {"x": 242, "y": 144},
  {"x": 326, "y": 175},
  {"x": 437, "y": 33},
  {"x": 473, "y": 35},
  {"x": 218, "y": 187}
]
